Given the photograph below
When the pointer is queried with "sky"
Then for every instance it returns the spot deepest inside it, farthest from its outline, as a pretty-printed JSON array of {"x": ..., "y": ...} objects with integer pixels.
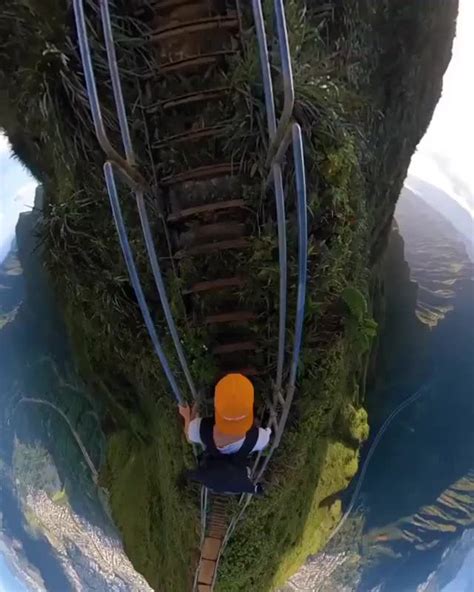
[
  {"x": 17, "y": 189},
  {"x": 8, "y": 582},
  {"x": 464, "y": 580},
  {"x": 444, "y": 156}
]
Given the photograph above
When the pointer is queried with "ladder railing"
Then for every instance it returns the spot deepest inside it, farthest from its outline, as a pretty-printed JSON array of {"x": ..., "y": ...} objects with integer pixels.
[
  {"x": 287, "y": 133},
  {"x": 125, "y": 167},
  {"x": 281, "y": 136}
]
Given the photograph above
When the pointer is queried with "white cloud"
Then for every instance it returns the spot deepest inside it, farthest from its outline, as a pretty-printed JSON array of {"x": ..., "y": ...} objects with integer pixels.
[
  {"x": 4, "y": 144},
  {"x": 444, "y": 156},
  {"x": 10, "y": 209},
  {"x": 25, "y": 196}
]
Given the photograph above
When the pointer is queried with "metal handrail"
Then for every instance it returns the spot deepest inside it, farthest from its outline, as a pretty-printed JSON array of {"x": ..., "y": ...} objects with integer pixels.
[
  {"x": 147, "y": 234},
  {"x": 125, "y": 166},
  {"x": 132, "y": 271},
  {"x": 278, "y": 187},
  {"x": 115, "y": 78},
  {"x": 302, "y": 217},
  {"x": 132, "y": 176},
  {"x": 287, "y": 75}
]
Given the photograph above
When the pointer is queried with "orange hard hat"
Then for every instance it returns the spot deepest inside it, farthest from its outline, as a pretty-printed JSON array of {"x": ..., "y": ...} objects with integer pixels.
[{"x": 233, "y": 404}]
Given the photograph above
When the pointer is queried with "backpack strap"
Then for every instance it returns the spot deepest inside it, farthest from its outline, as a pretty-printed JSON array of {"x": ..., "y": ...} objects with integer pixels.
[
  {"x": 206, "y": 433},
  {"x": 251, "y": 438}
]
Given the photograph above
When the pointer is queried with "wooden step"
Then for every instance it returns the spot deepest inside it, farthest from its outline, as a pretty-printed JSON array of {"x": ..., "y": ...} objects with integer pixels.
[
  {"x": 218, "y": 524},
  {"x": 246, "y": 371},
  {"x": 208, "y": 208},
  {"x": 204, "y": 59},
  {"x": 238, "y": 316},
  {"x": 164, "y": 5},
  {"x": 195, "y": 97},
  {"x": 206, "y": 571},
  {"x": 217, "y": 532},
  {"x": 192, "y": 135},
  {"x": 211, "y": 171},
  {"x": 204, "y": 588},
  {"x": 219, "y": 284},
  {"x": 239, "y": 243},
  {"x": 230, "y": 348},
  {"x": 217, "y": 231},
  {"x": 215, "y": 23}
]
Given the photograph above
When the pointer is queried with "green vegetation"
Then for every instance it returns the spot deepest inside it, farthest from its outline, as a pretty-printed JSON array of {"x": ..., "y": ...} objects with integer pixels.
[
  {"x": 294, "y": 521},
  {"x": 367, "y": 77},
  {"x": 34, "y": 469},
  {"x": 158, "y": 517},
  {"x": 60, "y": 498},
  {"x": 360, "y": 327}
]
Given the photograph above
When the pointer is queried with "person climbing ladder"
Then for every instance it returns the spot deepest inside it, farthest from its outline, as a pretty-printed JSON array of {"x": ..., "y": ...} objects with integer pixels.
[{"x": 228, "y": 438}]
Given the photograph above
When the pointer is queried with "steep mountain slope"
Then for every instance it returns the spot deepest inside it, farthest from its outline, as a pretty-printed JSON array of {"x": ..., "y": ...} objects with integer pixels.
[
  {"x": 413, "y": 517},
  {"x": 11, "y": 285},
  {"x": 447, "y": 206},
  {"x": 367, "y": 77},
  {"x": 417, "y": 495},
  {"x": 439, "y": 277},
  {"x": 54, "y": 533}
]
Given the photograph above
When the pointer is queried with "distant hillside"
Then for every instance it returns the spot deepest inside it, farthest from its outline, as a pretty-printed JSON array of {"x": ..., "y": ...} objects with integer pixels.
[
  {"x": 54, "y": 533},
  {"x": 436, "y": 252},
  {"x": 11, "y": 283},
  {"x": 416, "y": 498},
  {"x": 455, "y": 569},
  {"x": 447, "y": 206},
  {"x": 418, "y": 493}
]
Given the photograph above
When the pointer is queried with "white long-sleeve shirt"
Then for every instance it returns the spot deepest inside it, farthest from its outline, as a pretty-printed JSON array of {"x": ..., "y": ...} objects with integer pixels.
[{"x": 263, "y": 439}]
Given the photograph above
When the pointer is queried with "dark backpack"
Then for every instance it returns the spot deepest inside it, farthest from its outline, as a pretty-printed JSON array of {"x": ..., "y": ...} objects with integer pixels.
[{"x": 224, "y": 473}]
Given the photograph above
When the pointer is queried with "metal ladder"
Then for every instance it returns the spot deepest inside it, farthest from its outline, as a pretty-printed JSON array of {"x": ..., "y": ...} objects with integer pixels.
[{"x": 282, "y": 134}]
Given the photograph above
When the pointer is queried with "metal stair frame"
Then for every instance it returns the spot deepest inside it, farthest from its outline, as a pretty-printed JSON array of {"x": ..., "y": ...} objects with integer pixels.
[{"x": 282, "y": 136}]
